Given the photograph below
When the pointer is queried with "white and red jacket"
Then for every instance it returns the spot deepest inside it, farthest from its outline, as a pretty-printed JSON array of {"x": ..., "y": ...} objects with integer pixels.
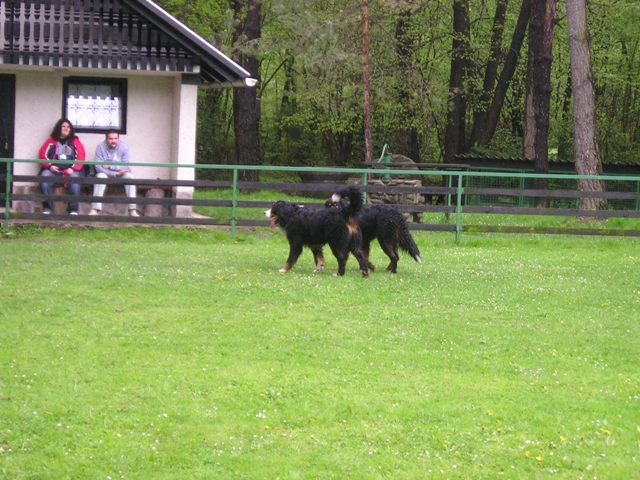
[{"x": 48, "y": 153}]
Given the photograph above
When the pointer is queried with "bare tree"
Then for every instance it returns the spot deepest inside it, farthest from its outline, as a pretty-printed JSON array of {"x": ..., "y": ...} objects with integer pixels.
[
  {"x": 539, "y": 86},
  {"x": 409, "y": 141},
  {"x": 454, "y": 140},
  {"x": 366, "y": 45},
  {"x": 491, "y": 71},
  {"x": 246, "y": 107},
  {"x": 508, "y": 69},
  {"x": 586, "y": 155}
]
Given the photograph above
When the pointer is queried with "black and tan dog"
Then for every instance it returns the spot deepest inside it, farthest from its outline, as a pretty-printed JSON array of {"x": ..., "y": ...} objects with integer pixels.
[
  {"x": 389, "y": 226},
  {"x": 314, "y": 228}
]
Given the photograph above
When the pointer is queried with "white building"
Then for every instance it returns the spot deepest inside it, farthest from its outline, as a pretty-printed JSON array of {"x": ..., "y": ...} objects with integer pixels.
[{"x": 124, "y": 64}]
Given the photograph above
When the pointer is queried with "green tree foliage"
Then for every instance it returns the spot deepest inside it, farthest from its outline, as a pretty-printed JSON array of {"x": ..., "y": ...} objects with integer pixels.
[
  {"x": 205, "y": 17},
  {"x": 311, "y": 69}
]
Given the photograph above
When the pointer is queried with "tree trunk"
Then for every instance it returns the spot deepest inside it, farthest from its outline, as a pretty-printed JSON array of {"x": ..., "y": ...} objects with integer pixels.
[
  {"x": 246, "y": 107},
  {"x": 366, "y": 44},
  {"x": 491, "y": 72},
  {"x": 454, "y": 141},
  {"x": 528, "y": 139},
  {"x": 627, "y": 96},
  {"x": 405, "y": 47},
  {"x": 563, "y": 138},
  {"x": 290, "y": 134},
  {"x": 340, "y": 146},
  {"x": 587, "y": 159},
  {"x": 508, "y": 69},
  {"x": 540, "y": 45}
]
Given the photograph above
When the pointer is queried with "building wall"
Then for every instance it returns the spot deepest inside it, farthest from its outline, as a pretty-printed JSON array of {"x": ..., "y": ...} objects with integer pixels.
[{"x": 161, "y": 120}]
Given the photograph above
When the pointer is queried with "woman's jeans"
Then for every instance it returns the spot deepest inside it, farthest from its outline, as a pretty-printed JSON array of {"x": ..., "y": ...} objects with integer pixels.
[{"x": 74, "y": 189}]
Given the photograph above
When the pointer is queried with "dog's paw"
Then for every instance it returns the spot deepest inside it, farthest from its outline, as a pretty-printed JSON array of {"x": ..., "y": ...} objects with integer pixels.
[{"x": 283, "y": 270}]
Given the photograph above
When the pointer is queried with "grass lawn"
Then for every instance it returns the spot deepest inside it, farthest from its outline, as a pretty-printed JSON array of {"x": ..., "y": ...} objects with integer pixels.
[{"x": 184, "y": 354}]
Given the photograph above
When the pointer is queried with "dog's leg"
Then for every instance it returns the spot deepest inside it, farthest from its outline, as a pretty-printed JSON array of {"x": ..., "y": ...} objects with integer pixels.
[
  {"x": 340, "y": 254},
  {"x": 357, "y": 252},
  {"x": 295, "y": 249},
  {"x": 342, "y": 266},
  {"x": 392, "y": 252},
  {"x": 366, "y": 250},
  {"x": 318, "y": 257}
]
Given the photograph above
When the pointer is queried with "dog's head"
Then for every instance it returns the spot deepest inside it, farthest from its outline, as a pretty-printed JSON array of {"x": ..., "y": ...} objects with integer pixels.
[
  {"x": 281, "y": 212},
  {"x": 335, "y": 205},
  {"x": 338, "y": 201}
]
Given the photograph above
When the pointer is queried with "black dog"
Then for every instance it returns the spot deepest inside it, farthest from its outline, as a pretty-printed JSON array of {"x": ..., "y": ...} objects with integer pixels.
[
  {"x": 316, "y": 227},
  {"x": 389, "y": 226}
]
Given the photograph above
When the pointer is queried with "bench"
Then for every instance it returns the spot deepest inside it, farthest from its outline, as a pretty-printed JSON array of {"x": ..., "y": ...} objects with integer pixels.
[{"x": 153, "y": 197}]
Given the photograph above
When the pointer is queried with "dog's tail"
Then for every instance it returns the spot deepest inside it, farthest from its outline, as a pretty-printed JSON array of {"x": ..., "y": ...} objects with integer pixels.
[
  {"x": 407, "y": 243},
  {"x": 353, "y": 198}
]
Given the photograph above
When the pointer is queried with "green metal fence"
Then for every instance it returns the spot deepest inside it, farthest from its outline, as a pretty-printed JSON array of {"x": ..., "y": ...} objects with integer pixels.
[
  {"x": 451, "y": 198},
  {"x": 620, "y": 183}
]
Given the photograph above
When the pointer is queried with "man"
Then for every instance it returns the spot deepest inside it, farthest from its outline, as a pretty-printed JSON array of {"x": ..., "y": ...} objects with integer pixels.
[{"x": 115, "y": 155}]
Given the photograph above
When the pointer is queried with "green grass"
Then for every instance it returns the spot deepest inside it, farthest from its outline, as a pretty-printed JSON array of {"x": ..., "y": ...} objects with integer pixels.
[{"x": 183, "y": 353}]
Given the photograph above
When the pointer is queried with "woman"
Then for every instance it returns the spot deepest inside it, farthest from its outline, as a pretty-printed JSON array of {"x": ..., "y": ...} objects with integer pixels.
[{"x": 56, "y": 151}]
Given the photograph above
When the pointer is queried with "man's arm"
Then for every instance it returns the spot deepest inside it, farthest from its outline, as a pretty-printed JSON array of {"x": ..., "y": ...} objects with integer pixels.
[
  {"x": 101, "y": 156},
  {"x": 125, "y": 157}
]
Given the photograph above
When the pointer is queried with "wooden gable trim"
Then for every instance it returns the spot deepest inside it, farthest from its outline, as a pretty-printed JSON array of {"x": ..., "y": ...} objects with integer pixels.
[{"x": 107, "y": 34}]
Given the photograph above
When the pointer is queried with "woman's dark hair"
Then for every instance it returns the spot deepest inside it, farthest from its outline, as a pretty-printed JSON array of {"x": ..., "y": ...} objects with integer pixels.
[{"x": 57, "y": 129}]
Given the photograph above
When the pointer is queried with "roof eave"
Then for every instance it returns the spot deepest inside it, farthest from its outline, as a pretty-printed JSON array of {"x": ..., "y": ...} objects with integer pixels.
[{"x": 234, "y": 75}]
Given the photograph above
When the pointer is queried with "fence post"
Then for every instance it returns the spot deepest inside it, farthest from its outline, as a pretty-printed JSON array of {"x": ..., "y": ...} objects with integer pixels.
[
  {"x": 365, "y": 182},
  {"x": 638, "y": 201},
  {"x": 459, "y": 209},
  {"x": 234, "y": 200},
  {"x": 7, "y": 197},
  {"x": 520, "y": 202}
]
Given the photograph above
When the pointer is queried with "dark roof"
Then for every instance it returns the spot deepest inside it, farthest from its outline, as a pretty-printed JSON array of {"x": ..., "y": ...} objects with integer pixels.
[{"x": 134, "y": 35}]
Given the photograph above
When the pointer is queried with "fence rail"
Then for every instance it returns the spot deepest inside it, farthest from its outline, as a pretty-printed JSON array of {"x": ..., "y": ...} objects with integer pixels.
[{"x": 454, "y": 195}]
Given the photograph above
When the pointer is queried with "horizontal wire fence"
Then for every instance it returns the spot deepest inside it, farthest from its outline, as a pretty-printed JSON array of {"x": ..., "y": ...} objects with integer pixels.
[
  {"x": 618, "y": 184},
  {"x": 436, "y": 200}
]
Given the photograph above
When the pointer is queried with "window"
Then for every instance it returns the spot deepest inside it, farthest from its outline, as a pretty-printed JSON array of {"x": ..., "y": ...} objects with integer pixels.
[{"x": 95, "y": 105}]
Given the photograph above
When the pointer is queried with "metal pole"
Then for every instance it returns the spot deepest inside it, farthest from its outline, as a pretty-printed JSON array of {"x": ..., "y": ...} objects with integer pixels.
[
  {"x": 459, "y": 209},
  {"x": 365, "y": 182},
  {"x": 234, "y": 200},
  {"x": 520, "y": 202},
  {"x": 7, "y": 197}
]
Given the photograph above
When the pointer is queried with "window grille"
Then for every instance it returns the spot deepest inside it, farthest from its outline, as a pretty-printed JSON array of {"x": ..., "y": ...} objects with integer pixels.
[{"x": 95, "y": 105}]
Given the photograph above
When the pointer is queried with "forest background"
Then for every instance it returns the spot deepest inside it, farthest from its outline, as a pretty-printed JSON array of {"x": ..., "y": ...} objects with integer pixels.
[{"x": 307, "y": 108}]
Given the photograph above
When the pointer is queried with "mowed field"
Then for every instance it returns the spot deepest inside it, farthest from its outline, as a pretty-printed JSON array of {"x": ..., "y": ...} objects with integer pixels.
[{"x": 184, "y": 354}]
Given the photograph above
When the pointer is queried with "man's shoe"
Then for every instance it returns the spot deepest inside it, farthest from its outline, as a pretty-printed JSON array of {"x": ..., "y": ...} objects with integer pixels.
[
  {"x": 94, "y": 211},
  {"x": 73, "y": 213},
  {"x": 46, "y": 211},
  {"x": 133, "y": 213}
]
